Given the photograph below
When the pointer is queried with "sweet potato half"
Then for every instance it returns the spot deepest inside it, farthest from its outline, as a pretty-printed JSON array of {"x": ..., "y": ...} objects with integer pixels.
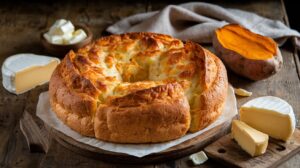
[{"x": 246, "y": 53}]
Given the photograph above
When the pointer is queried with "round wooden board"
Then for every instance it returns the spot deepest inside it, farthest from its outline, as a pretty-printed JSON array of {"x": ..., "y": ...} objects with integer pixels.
[{"x": 183, "y": 149}]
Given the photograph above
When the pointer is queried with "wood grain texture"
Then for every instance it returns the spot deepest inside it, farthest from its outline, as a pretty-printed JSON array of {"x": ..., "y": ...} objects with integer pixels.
[
  {"x": 228, "y": 152},
  {"x": 37, "y": 140},
  {"x": 21, "y": 22}
]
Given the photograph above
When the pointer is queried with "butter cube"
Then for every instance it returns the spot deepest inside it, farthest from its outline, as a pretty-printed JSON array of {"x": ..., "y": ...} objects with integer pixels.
[
  {"x": 67, "y": 37},
  {"x": 78, "y": 36},
  {"x": 54, "y": 28},
  {"x": 61, "y": 28},
  {"x": 251, "y": 140},
  {"x": 54, "y": 39},
  {"x": 198, "y": 158}
]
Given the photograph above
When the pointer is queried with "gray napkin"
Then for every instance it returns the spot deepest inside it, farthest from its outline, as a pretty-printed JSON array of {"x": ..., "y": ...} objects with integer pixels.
[{"x": 197, "y": 21}]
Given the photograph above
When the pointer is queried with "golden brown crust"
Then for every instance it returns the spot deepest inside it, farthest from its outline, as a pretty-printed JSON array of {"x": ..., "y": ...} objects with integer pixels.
[
  {"x": 138, "y": 88},
  {"x": 212, "y": 99},
  {"x": 153, "y": 115},
  {"x": 72, "y": 108}
]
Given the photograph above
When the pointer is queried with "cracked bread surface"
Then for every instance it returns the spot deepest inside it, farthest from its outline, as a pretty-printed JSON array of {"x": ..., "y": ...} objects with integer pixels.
[{"x": 138, "y": 88}]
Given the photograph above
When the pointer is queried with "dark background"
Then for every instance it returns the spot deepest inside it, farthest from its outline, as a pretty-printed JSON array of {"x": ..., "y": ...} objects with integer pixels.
[
  {"x": 293, "y": 11},
  {"x": 292, "y": 6}
]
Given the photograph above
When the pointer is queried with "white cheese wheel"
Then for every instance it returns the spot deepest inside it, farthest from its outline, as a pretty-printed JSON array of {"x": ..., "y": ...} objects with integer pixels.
[
  {"x": 23, "y": 72},
  {"x": 270, "y": 115}
]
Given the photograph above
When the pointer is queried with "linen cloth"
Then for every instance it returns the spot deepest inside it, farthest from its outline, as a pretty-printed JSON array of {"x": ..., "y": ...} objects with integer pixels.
[{"x": 197, "y": 21}]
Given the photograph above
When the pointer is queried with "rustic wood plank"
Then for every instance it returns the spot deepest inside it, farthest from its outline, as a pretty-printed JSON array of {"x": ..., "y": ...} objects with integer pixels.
[
  {"x": 100, "y": 14},
  {"x": 18, "y": 154},
  {"x": 13, "y": 38},
  {"x": 58, "y": 156},
  {"x": 8, "y": 120},
  {"x": 20, "y": 23},
  {"x": 37, "y": 140},
  {"x": 227, "y": 151}
]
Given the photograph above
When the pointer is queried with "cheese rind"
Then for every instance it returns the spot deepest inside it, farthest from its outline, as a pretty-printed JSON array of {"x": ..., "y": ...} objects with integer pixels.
[
  {"x": 251, "y": 140},
  {"x": 23, "y": 72},
  {"x": 270, "y": 115}
]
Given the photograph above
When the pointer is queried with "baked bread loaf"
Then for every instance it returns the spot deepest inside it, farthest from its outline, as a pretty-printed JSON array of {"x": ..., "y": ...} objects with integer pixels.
[{"x": 138, "y": 88}]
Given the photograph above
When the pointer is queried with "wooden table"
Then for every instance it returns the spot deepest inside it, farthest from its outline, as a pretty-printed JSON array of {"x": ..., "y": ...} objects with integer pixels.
[{"x": 20, "y": 24}]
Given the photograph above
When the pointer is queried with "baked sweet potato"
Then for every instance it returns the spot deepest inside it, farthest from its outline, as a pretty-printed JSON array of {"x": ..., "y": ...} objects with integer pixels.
[{"x": 248, "y": 54}]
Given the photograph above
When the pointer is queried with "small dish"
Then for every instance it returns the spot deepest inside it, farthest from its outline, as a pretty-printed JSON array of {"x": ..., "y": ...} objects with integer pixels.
[{"x": 60, "y": 50}]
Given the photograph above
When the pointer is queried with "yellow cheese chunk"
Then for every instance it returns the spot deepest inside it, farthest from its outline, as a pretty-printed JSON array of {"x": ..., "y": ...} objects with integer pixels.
[
  {"x": 251, "y": 140},
  {"x": 34, "y": 76},
  {"x": 22, "y": 72},
  {"x": 270, "y": 115}
]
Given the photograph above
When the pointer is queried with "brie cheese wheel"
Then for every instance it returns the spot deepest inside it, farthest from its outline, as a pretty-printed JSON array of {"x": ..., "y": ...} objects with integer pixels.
[
  {"x": 23, "y": 72},
  {"x": 270, "y": 115},
  {"x": 251, "y": 140}
]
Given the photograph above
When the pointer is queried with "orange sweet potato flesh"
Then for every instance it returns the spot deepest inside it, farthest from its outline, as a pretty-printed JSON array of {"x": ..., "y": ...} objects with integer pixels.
[
  {"x": 248, "y": 54},
  {"x": 246, "y": 43}
]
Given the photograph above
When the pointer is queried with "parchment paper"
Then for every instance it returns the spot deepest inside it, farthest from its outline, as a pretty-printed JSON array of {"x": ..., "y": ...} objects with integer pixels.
[{"x": 49, "y": 117}]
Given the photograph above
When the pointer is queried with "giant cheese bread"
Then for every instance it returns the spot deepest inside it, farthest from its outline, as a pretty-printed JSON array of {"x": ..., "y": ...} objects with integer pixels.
[{"x": 138, "y": 88}]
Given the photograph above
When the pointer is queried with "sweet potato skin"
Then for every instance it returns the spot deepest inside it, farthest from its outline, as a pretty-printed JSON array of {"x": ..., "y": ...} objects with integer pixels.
[{"x": 251, "y": 69}]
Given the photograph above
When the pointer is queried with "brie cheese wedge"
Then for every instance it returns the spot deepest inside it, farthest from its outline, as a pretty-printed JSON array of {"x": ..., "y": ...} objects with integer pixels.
[
  {"x": 23, "y": 72},
  {"x": 270, "y": 115},
  {"x": 251, "y": 140}
]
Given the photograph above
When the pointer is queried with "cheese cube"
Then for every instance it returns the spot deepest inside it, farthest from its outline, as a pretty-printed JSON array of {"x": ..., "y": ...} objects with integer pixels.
[
  {"x": 67, "y": 37},
  {"x": 23, "y": 72},
  {"x": 53, "y": 29},
  {"x": 251, "y": 140},
  {"x": 78, "y": 36},
  {"x": 270, "y": 115},
  {"x": 198, "y": 158},
  {"x": 54, "y": 39},
  {"x": 61, "y": 28}
]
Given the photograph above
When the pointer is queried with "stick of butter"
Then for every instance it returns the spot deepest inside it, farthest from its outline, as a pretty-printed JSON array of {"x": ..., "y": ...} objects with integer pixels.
[
  {"x": 270, "y": 115},
  {"x": 23, "y": 72},
  {"x": 251, "y": 140}
]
